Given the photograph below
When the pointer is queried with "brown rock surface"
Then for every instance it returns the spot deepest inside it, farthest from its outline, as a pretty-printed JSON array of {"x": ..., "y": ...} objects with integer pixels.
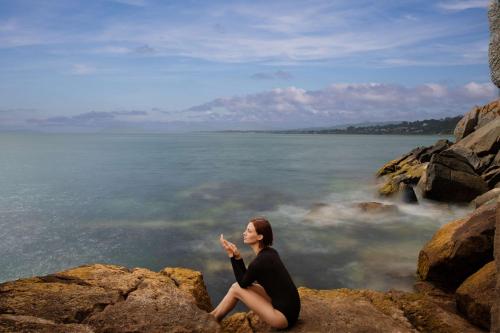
[
  {"x": 490, "y": 196},
  {"x": 409, "y": 168},
  {"x": 106, "y": 298},
  {"x": 346, "y": 310},
  {"x": 495, "y": 311},
  {"x": 476, "y": 295},
  {"x": 27, "y": 324},
  {"x": 376, "y": 207},
  {"x": 449, "y": 177},
  {"x": 476, "y": 118},
  {"x": 192, "y": 282},
  {"x": 485, "y": 140},
  {"x": 459, "y": 249}
]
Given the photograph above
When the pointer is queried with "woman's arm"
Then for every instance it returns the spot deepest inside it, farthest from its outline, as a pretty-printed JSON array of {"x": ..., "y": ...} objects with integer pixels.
[{"x": 245, "y": 277}]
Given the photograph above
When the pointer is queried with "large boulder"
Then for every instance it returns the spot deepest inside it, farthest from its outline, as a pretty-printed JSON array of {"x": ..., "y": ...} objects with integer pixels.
[
  {"x": 459, "y": 249},
  {"x": 407, "y": 169},
  {"x": 494, "y": 49},
  {"x": 450, "y": 177},
  {"x": 495, "y": 311},
  {"x": 488, "y": 197},
  {"x": 192, "y": 282},
  {"x": 483, "y": 141},
  {"x": 476, "y": 295},
  {"x": 106, "y": 298},
  {"x": 346, "y": 310}
]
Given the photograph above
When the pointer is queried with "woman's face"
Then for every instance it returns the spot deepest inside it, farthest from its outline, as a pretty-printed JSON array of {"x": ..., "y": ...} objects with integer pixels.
[{"x": 250, "y": 235}]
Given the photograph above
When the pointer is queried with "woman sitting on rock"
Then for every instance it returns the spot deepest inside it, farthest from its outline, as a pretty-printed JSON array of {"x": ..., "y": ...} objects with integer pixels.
[{"x": 275, "y": 298}]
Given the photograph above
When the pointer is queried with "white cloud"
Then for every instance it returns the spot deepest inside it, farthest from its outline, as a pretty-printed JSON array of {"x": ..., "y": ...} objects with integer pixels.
[
  {"x": 344, "y": 103},
  {"x": 82, "y": 69},
  {"x": 462, "y": 4},
  {"x": 138, "y": 3}
]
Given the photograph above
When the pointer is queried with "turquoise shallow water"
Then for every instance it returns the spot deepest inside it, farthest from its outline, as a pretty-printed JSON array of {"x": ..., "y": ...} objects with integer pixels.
[{"x": 156, "y": 200}]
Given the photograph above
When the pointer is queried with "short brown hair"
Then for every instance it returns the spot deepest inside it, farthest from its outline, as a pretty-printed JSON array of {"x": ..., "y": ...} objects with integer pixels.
[{"x": 263, "y": 227}]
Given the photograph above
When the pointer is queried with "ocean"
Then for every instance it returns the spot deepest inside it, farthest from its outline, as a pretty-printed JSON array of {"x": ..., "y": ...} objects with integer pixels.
[{"x": 157, "y": 200}]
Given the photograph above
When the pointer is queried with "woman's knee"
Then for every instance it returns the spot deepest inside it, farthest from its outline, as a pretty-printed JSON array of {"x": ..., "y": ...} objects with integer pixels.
[{"x": 235, "y": 287}]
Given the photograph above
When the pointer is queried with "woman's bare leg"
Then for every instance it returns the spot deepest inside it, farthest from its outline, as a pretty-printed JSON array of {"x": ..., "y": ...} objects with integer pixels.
[
  {"x": 255, "y": 301},
  {"x": 225, "y": 306},
  {"x": 229, "y": 301}
]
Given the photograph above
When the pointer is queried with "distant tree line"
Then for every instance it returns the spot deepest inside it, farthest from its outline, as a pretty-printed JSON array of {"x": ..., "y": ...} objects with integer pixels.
[{"x": 429, "y": 126}]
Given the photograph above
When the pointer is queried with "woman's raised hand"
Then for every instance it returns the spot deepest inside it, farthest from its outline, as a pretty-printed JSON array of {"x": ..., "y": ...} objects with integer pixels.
[{"x": 229, "y": 247}]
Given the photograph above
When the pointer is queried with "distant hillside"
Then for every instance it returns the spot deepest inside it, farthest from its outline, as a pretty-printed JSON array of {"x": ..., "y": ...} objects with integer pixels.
[{"x": 428, "y": 126}]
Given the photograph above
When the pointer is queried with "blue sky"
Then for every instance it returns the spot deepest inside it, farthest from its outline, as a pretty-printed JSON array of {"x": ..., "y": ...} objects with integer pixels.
[{"x": 149, "y": 65}]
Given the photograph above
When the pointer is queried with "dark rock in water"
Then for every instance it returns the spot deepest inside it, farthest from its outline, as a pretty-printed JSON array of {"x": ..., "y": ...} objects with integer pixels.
[
  {"x": 476, "y": 295},
  {"x": 450, "y": 177},
  {"x": 407, "y": 193},
  {"x": 459, "y": 249}
]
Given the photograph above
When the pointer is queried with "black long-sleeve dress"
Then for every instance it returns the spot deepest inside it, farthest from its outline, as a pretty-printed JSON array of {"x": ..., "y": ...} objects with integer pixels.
[{"x": 268, "y": 270}]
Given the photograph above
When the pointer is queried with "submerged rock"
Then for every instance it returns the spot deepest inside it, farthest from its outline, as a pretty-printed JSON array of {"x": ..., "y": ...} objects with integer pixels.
[{"x": 376, "y": 207}]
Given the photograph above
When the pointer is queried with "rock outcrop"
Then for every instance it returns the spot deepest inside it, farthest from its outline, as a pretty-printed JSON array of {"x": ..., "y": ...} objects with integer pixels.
[
  {"x": 459, "y": 249},
  {"x": 101, "y": 298},
  {"x": 451, "y": 172},
  {"x": 346, "y": 310},
  {"x": 476, "y": 295},
  {"x": 495, "y": 311}
]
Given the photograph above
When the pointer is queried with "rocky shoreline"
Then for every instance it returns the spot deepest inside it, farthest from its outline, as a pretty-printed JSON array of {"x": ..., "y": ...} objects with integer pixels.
[
  {"x": 457, "y": 269},
  {"x": 458, "y": 287}
]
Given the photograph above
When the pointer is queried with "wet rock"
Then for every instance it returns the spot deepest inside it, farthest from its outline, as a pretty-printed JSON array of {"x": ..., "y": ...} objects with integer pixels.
[
  {"x": 376, "y": 207},
  {"x": 459, "y": 249},
  {"x": 409, "y": 168},
  {"x": 107, "y": 298},
  {"x": 476, "y": 295},
  {"x": 449, "y": 177},
  {"x": 407, "y": 193}
]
